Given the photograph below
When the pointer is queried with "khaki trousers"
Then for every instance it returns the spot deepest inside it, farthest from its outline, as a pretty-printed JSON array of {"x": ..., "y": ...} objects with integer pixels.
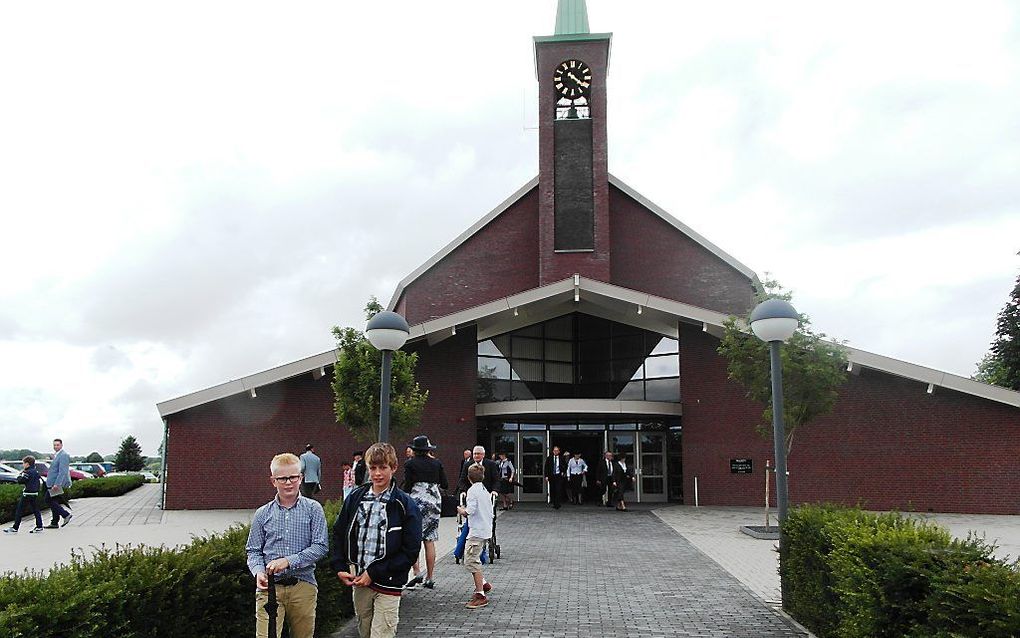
[
  {"x": 378, "y": 614},
  {"x": 296, "y": 606}
]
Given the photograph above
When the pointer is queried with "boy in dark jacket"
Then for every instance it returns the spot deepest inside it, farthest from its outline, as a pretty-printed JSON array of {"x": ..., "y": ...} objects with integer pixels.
[
  {"x": 376, "y": 539},
  {"x": 30, "y": 478}
]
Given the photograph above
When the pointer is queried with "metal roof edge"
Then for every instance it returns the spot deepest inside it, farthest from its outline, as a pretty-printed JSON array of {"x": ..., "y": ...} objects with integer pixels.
[
  {"x": 450, "y": 247},
  {"x": 685, "y": 229},
  {"x": 937, "y": 378},
  {"x": 247, "y": 383}
]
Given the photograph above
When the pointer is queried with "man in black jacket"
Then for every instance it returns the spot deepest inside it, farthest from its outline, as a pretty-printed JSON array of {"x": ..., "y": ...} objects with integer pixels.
[
  {"x": 491, "y": 479},
  {"x": 359, "y": 469},
  {"x": 555, "y": 475},
  {"x": 607, "y": 476}
]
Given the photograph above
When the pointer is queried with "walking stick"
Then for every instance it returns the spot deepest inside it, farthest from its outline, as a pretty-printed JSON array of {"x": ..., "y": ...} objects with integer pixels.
[{"x": 272, "y": 605}]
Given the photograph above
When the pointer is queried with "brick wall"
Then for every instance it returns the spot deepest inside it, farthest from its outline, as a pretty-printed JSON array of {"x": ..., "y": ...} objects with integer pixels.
[
  {"x": 888, "y": 444},
  {"x": 499, "y": 260},
  {"x": 557, "y": 266},
  {"x": 218, "y": 454},
  {"x": 683, "y": 269}
]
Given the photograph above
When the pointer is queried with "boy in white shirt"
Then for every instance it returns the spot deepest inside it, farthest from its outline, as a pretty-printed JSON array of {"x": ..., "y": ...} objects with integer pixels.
[{"x": 479, "y": 515}]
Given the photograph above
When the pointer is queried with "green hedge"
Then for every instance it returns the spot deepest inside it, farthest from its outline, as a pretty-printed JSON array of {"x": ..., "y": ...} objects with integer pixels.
[
  {"x": 85, "y": 488},
  {"x": 202, "y": 589},
  {"x": 853, "y": 574}
]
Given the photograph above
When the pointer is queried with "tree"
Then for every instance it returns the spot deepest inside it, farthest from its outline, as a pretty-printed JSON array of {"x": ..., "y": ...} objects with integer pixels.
[
  {"x": 18, "y": 454},
  {"x": 95, "y": 457},
  {"x": 1001, "y": 365},
  {"x": 813, "y": 368},
  {"x": 356, "y": 384},
  {"x": 129, "y": 456}
]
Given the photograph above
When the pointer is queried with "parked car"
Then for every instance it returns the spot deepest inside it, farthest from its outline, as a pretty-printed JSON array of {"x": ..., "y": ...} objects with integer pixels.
[
  {"x": 148, "y": 476},
  {"x": 76, "y": 475},
  {"x": 8, "y": 475},
  {"x": 95, "y": 469}
]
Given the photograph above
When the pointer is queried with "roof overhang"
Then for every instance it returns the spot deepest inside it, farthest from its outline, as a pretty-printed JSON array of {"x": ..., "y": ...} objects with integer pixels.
[{"x": 580, "y": 294}]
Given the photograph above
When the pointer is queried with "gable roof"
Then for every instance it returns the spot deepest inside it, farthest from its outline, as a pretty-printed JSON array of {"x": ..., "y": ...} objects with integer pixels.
[
  {"x": 532, "y": 184},
  {"x": 588, "y": 295}
]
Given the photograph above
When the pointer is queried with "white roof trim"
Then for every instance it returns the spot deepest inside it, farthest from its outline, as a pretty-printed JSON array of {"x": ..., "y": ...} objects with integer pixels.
[
  {"x": 463, "y": 237},
  {"x": 685, "y": 229},
  {"x": 246, "y": 384},
  {"x": 711, "y": 320},
  {"x": 577, "y": 406}
]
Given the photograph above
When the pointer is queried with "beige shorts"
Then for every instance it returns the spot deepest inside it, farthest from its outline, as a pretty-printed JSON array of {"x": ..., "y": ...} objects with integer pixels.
[{"x": 473, "y": 554}]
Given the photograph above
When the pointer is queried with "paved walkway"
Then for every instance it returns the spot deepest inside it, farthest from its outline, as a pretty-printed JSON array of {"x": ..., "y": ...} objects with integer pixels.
[
  {"x": 586, "y": 572},
  {"x": 131, "y": 519}
]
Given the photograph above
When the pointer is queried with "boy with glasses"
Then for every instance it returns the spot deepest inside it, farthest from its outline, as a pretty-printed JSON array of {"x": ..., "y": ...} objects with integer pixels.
[
  {"x": 376, "y": 539},
  {"x": 288, "y": 535}
]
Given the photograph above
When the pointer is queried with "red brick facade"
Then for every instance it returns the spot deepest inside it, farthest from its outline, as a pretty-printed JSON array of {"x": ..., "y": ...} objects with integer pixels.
[
  {"x": 684, "y": 269},
  {"x": 555, "y": 266},
  {"x": 499, "y": 260},
  {"x": 887, "y": 445}
]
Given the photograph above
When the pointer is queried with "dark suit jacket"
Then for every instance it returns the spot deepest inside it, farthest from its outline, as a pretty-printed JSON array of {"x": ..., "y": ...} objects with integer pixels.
[
  {"x": 606, "y": 476},
  {"x": 359, "y": 472},
  {"x": 491, "y": 480},
  {"x": 549, "y": 467}
]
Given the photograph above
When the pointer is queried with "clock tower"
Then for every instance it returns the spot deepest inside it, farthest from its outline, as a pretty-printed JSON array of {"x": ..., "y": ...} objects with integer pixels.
[{"x": 572, "y": 66}]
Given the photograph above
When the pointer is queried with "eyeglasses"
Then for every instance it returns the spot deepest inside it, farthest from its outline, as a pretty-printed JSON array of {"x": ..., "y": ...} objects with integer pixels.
[{"x": 287, "y": 479}]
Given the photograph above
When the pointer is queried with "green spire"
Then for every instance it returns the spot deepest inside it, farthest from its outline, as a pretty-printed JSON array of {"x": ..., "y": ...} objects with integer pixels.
[{"x": 571, "y": 17}]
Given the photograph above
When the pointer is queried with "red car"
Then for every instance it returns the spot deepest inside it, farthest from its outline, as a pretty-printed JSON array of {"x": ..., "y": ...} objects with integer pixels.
[{"x": 76, "y": 475}]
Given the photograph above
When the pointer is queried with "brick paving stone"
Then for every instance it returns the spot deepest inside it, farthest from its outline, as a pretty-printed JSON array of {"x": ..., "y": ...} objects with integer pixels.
[{"x": 586, "y": 571}]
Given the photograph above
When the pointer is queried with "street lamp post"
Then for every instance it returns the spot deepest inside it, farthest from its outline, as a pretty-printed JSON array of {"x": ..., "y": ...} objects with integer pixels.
[
  {"x": 774, "y": 321},
  {"x": 387, "y": 331}
]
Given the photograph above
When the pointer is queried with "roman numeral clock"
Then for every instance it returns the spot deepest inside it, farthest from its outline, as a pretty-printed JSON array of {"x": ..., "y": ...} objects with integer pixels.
[{"x": 572, "y": 82}]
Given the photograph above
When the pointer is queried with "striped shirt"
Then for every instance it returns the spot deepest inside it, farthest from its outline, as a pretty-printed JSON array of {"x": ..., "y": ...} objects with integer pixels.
[
  {"x": 370, "y": 527},
  {"x": 297, "y": 533}
]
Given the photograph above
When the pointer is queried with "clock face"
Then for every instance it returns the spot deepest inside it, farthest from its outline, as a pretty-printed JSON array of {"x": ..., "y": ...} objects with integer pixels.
[{"x": 572, "y": 79}]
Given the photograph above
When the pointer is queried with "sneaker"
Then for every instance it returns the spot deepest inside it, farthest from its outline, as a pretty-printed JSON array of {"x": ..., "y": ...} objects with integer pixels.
[
  {"x": 414, "y": 582},
  {"x": 486, "y": 588},
  {"x": 67, "y": 519},
  {"x": 478, "y": 600},
  {"x": 428, "y": 583},
  {"x": 52, "y": 526},
  {"x": 37, "y": 530},
  {"x": 11, "y": 530}
]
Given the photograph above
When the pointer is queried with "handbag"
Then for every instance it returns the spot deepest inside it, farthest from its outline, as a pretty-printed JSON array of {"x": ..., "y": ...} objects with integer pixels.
[{"x": 449, "y": 506}]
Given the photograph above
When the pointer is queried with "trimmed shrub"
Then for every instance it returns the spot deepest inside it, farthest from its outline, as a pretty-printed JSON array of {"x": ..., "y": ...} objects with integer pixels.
[
  {"x": 201, "y": 589},
  {"x": 853, "y": 574}
]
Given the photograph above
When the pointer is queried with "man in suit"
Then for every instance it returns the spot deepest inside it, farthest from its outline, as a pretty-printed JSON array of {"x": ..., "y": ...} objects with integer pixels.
[
  {"x": 58, "y": 475},
  {"x": 359, "y": 469},
  {"x": 462, "y": 482},
  {"x": 491, "y": 479},
  {"x": 607, "y": 477},
  {"x": 555, "y": 475}
]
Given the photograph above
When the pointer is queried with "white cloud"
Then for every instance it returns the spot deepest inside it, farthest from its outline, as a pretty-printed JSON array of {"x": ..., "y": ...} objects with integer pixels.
[{"x": 197, "y": 192}]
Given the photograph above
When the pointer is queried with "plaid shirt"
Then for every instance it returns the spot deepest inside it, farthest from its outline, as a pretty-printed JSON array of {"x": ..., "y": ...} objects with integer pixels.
[
  {"x": 370, "y": 527},
  {"x": 297, "y": 533}
]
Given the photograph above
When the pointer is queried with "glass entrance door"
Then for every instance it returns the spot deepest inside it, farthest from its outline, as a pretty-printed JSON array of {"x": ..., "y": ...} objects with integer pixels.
[
  {"x": 651, "y": 470},
  {"x": 532, "y": 470}
]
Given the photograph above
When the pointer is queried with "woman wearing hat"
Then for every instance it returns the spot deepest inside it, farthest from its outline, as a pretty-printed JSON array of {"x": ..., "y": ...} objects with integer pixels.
[{"x": 423, "y": 478}]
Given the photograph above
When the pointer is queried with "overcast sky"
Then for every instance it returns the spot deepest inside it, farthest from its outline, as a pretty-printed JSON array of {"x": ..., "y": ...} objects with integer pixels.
[{"x": 194, "y": 192}]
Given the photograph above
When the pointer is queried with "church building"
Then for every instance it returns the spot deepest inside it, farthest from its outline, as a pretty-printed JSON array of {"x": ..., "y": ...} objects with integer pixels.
[{"x": 579, "y": 314}]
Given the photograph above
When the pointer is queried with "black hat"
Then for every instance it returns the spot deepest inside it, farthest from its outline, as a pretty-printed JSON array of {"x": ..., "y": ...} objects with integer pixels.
[{"x": 421, "y": 442}]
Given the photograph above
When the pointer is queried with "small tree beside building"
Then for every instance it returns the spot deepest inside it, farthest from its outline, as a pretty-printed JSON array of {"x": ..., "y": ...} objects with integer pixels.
[
  {"x": 356, "y": 384},
  {"x": 1001, "y": 365},
  {"x": 813, "y": 369},
  {"x": 129, "y": 456},
  {"x": 95, "y": 457}
]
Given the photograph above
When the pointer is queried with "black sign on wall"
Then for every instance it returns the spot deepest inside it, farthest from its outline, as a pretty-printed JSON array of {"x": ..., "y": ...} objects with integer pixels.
[{"x": 741, "y": 466}]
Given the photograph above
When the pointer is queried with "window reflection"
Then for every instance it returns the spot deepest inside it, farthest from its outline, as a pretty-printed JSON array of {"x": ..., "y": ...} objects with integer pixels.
[{"x": 578, "y": 356}]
